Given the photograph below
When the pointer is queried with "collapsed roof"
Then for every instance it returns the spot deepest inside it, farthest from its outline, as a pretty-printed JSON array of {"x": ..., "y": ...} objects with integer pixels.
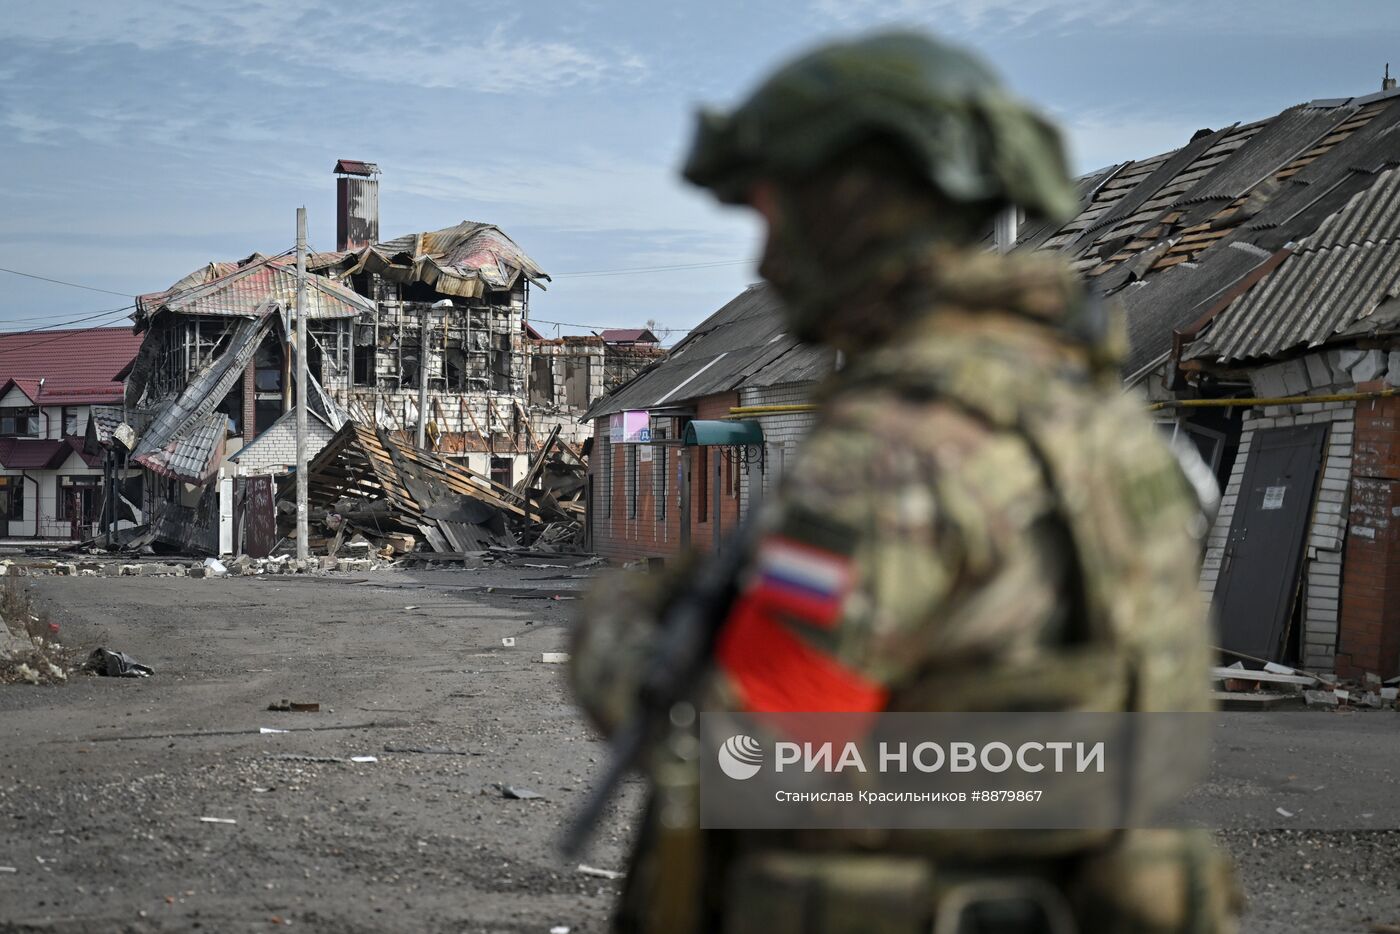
[{"x": 1180, "y": 237}]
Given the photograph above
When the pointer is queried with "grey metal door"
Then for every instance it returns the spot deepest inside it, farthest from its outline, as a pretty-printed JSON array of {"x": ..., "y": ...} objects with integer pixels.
[{"x": 1258, "y": 582}]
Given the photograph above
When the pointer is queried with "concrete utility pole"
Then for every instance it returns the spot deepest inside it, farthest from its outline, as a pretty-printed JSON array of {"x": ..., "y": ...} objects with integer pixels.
[
  {"x": 423, "y": 380},
  {"x": 302, "y": 547}
]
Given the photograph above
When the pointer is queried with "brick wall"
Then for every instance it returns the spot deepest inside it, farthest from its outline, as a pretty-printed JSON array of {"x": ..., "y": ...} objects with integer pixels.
[
  {"x": 1369, "y": 638},
  {"x": 627, "y": 525}
]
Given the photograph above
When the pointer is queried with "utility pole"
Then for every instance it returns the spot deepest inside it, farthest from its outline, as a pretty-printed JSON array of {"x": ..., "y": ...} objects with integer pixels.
[
  {"x": 423, "y": 380},
  {"x": 302, "y": 548}
]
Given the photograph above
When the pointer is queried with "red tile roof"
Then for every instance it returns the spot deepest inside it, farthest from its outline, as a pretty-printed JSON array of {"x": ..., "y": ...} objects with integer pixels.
[
  {"x": 628, "y": 336},
  {"x": 78, "y": 367}
]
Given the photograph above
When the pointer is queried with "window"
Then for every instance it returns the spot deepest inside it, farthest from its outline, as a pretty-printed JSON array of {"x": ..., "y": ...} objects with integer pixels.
[
  {"x": 19, "y": 422},
  {"x": 268, "y": 367},
  {"x": 632, "y": 477},
  {"x": 702, "y": 484},
  {"x": 70, "y": 421},
  {"x": 12, "y": 498},
  {"x": 80, "y": 494}
]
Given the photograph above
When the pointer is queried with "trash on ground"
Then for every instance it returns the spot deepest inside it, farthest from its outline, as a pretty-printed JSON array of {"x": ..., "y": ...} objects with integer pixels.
[
  {"x": 559, "y": 929},
  {"x": 1282, "y": 813},
  {"x": 508, "y": 642},
  {"x": 517, "y": 792},
  {"x": 8, "y": 869},
  {"x": 600, "y": 873},
  {"x": 218, "y": 820},
  {"x": 268, "y": 729},
  {"x": 116, "y": 665},
  {"x": 294, "y": 706},
  {"x": 215, "y": 566},
  {"x": 555, "y": 658},
  {"x": 363, "y": 759}
]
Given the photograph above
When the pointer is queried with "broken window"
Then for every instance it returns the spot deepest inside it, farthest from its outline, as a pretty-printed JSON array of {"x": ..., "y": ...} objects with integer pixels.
[
  {"x": 578, "y": 374},
  {"x": 19, "y": 422},
  {"x": 267, "y": 365},
  {"x": 455, "y": 363},
  {"x": 542, "y": 380},
  {"x": 501, "y": 470},
  {"x": 364, "y": 370}
]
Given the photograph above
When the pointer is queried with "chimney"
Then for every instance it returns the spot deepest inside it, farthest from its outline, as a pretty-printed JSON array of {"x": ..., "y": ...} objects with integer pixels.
[
  {"x": 1387, "y": 83},
  {"x": 356, "y": 204}
]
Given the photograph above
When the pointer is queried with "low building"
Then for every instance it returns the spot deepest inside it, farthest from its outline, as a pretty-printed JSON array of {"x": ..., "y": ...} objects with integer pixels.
[
  {"x": 51, "y": 484},
  {"x": 672, "y": 465},
  {"x": 1257, "y": 266}
]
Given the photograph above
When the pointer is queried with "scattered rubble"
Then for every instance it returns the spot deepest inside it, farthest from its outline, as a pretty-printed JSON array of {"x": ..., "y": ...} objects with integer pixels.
[
  {"x": 115, "y": 665},
  {"x": 1277, "y": 685}
]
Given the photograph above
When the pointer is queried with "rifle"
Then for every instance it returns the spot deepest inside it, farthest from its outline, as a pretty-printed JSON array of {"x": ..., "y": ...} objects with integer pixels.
[{"x": 684, "y": 643}]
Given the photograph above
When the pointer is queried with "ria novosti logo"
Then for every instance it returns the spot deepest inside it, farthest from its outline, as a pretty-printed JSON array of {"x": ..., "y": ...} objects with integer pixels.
[{"x": 741, "y": 757}]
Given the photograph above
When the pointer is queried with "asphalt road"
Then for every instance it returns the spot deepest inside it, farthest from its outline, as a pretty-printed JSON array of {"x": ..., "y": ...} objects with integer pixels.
[{"x": 103, "y": 782}]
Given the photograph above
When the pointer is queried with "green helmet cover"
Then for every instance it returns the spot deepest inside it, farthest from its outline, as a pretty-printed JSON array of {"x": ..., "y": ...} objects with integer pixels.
[{"x": 976, "y": 144}]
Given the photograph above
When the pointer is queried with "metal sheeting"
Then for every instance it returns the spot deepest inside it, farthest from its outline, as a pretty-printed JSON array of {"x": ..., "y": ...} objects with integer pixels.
[
  {"x": 462, "y": 260},
  {"x": 1369, "y": 217},
  {"x": 195, "y": 455},
  {"x": 1288, "y": 135},
  {"x": 1178, "y": 296},
  {"x": 1310, "y": 298},
  {"x": 190, "y": 412},
  {"x": 743, "y": 344},
  {"x": 254, "y": 289}
]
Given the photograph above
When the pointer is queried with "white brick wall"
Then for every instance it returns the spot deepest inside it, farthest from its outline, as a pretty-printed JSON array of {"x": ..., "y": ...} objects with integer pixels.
[
  {"x": 1327, "y": 530},
  {"x": 781, "y": 433},
  {"x": 275, "y": 450}
]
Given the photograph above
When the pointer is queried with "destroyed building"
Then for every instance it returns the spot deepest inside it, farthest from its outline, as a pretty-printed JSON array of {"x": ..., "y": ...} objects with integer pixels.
[
  {"x": 686, "y": 448},
  {"x": 53, "y": 384},
  {"x": 1257, "y": 268},
  {"x": 425, "y": 337}
]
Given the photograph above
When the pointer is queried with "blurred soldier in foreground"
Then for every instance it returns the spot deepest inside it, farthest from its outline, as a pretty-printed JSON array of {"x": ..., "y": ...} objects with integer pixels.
[{"x": 996, "y": 525}]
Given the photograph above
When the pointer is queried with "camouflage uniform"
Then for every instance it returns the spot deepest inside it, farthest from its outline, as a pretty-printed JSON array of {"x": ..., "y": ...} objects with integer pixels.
[{"x": 1017, "y": 534}]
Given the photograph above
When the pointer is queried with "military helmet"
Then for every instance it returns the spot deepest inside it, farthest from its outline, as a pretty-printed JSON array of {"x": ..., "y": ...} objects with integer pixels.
[{"x": 975, "y": 143}]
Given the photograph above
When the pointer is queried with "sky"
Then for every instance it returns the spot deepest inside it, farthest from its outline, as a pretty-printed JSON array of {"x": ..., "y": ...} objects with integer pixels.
[{"x": 140, "y": 140}]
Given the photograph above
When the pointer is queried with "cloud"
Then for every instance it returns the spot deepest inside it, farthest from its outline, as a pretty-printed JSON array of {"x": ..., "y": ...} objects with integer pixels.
[{"x": 467, "y": 46}]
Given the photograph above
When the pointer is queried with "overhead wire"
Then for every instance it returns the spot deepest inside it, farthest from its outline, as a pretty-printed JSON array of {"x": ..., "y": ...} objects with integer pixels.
[{"x": 76, "y": 285}]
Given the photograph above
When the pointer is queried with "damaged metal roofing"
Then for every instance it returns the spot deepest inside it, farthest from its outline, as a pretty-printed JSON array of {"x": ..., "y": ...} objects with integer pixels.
[
  {"x": 467, "y": 260},
  {"x": 1333, "y": 281},
  {"x": 251, "y": 288},
  {"x": 744, "y": 344},
  {"x": 1187, "y": 233}
]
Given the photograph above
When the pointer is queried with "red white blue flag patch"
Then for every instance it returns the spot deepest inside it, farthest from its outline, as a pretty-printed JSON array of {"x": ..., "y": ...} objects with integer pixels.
[{"x": 801, "y": 580}]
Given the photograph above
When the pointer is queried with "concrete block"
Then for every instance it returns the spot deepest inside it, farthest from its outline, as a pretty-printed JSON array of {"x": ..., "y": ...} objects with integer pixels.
[
  {"x": 1319, "y": 373},
  {"x": 1392, "y": 369},
  {"x": 64, "y": 569},
  {"x": 1268, "y": 381},
  {"x": 198, "y": 573},
  {"x": 130, "y": 570},
  {"x": 1320, "y": 699},
  {"x": 1372, "y": 365},
  {"x": 1295, "y": 377}
]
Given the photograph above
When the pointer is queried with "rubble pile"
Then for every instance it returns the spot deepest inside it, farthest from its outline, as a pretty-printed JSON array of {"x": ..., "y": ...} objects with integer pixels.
[
  {"x": 369, "y": 495},
  {"x": 1275, "y": 685},
  {"x": 30, "y": 652}
]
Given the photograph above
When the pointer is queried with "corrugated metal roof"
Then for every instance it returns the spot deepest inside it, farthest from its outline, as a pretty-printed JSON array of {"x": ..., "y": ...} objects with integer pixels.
[
  {"x": 463, "y": 260},
  {"x": 194, "y": 456},
  {"x": 1288, "y": 135},
  {"x": 743, "y": 344},
  {"x": 254, "y": 289},
  {"x": 1333, "y": 282},
  {"x": 1179, "y": 296}
]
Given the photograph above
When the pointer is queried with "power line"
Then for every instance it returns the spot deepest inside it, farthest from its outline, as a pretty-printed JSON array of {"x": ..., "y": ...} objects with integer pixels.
[
  {"x": 604, "y": 327},
  {"x": 61, "y": 331},
  {"x": 90, "y": 288},
  {"x": 645, "y": 269}
]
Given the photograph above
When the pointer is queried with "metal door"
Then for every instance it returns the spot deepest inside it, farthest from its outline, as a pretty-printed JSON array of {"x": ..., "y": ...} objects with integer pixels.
[
  {"x": 1258, "y": 584},
  {"x": 260, "y": 517}
]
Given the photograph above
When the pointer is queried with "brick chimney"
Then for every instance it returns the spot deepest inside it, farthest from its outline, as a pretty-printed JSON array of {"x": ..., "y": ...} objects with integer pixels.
[{"x": 356, "y": 204}]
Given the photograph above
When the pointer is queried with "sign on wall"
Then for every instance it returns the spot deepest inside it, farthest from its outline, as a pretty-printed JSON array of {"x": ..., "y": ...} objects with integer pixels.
[{"x": 629, "y": 427}]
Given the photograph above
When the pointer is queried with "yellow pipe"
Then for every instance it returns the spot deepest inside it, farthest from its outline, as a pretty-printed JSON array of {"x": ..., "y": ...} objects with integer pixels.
[
  {"x": 749, "y": 411},
  {"x": 743, "y": 410},
  {"x": 1274, "y": 400}
]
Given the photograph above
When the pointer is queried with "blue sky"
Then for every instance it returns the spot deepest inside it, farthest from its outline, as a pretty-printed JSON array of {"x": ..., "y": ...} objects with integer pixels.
[{"x": 139, "y": 140}]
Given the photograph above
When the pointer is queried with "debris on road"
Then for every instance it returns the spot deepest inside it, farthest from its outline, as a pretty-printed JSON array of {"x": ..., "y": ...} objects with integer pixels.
[
  {"x": 364, "y": 759},
  {"x": 554, "y": 658},
  {"x": 428, "y": 750},
  {"x": 601, "y": 873},
  {"x": 516, "y": 792},
  {"x": 218, "y": 820},
  {"x": 285, "y": 705},
  {"x": 111, "y": 664},
  {"x": 268, "y": 729}
]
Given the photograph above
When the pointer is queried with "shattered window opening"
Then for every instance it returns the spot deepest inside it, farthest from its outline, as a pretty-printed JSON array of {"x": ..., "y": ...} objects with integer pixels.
[{"x": 19, "y": 422}]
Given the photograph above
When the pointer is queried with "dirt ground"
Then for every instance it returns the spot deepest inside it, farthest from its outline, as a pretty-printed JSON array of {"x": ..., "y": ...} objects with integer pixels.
[{"x": 103, "y": 782}]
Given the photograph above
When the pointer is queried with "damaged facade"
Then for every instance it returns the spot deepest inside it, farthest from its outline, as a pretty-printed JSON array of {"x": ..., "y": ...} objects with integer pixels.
[
  {"x": 423, "y": 336},
  {"x": 1257, "y": 268}
]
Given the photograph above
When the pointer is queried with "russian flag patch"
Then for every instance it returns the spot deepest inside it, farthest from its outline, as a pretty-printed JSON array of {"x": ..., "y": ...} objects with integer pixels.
[{"x": 800, "y": 580}]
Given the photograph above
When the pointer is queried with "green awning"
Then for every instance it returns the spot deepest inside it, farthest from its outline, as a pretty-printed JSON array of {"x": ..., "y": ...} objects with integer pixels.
[{"x": 717, "y": 432}]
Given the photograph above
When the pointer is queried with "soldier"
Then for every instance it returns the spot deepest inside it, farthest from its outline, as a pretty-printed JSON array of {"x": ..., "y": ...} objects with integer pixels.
[{"x": 1005, "y": 529}]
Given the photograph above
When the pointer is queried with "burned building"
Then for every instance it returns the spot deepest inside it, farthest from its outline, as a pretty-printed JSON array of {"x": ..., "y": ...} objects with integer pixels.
[{"x": 424, "y": 336}]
